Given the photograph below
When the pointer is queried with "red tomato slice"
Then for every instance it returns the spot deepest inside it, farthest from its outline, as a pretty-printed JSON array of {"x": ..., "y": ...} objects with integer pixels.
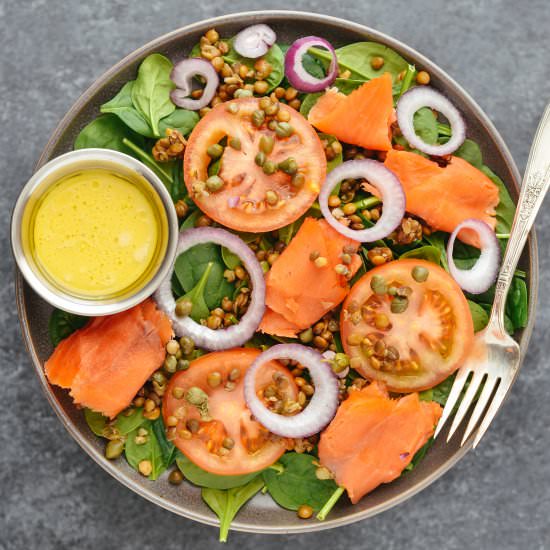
[
  {"x": 419, "y": 347},
  {"x": 241, "y": 203},
  {"x": 254, "y": 448}
]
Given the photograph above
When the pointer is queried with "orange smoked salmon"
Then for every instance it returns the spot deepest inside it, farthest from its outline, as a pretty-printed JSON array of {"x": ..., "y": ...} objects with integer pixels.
[
  {"x": 373, "y": 438},
  {"x": 298, "y": 293},
  {"x": 444, "y": 197},
  {"x": 105, "y": 363},
  {"x": 362, "y": 118}
]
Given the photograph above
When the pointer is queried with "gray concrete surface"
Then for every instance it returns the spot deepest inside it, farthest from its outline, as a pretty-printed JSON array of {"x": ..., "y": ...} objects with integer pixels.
[{"x": 52, "y": 495}]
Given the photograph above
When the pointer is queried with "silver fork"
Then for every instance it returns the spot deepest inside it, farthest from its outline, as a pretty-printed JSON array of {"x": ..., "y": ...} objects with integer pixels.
[{"x": 498, "y": 355}]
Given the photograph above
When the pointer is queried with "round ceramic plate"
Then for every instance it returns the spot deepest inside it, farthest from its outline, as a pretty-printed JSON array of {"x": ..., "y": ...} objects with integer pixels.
[{"x": 260, "y": 515}]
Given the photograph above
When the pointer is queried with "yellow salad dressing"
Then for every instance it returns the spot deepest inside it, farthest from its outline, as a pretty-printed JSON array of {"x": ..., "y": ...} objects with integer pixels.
[{"x": 95, "y": 233}]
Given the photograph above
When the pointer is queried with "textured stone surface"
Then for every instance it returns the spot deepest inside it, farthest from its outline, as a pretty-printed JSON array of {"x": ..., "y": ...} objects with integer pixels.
[{"x": 53, "y": 495}]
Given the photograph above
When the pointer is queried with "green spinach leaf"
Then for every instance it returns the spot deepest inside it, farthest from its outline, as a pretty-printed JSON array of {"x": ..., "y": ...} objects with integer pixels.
[
  {"x": 425, "y": 125},
  {"x": 230, "y": 259},
  {"x": 96, "y": 421},
  {"x": 506, "y": 208},
  {"x": 517, "y": 303},
  {"x": 180, "y": 119},
  {"x": 308, "y": 102},
  {"x": 196, "y": 296},
  {"x": 202, "y": 478},
  {"x": 63, "y": 324},
  {"x": 127, "y": 424},
  {"x": 470, "y": 152},
  {"x": 297, "y": 484},
  {"x": 339, "y": 158},
  {"x": 190, "y": 266},
  {"x": 107, "y": 132},
  {"x": 479, "y": 316},
  {"x": 122, "y": 106},
  {"x": 419, "y": 455},
  {"x": 226, "y": 503},
  {"x": 439, "y": 393},
  {"x": 357, "y": 59},
  {"x": 151, "y": 90},
  {"x": 428, "y": 252},
  {"x": 168, "y": 449},
  {"x": 150, "y": 450}
]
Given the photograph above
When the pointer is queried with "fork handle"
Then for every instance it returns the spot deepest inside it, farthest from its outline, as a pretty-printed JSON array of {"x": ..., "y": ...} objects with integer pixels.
[{"x": 536, "y": 182}]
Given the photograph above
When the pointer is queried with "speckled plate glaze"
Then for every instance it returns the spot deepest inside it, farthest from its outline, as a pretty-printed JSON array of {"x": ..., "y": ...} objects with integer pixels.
[{"x": 261, "y": 515}]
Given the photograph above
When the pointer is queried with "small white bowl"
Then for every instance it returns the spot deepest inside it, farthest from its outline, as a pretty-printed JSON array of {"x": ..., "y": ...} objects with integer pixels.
[{"x": 54, "y": 171}]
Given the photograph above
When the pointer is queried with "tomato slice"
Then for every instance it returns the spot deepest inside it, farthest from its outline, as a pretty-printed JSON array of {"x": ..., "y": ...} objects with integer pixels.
[
  {"x": 242, "y": 202},
  {"x": 418, "y": 348},
  {"x": 251, "y": 447}
]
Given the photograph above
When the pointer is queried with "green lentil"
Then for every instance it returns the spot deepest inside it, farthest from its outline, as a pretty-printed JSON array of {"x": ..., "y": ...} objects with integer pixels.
[
  {"x": 420, "y": 274},
  {"x": 170, "y": 364},
  {"x": 242, "y": 92},
  {"x": 271, "y": 198},
  {"x": 172, "y": 347},
  {"x": 378, "y": 285},
  {"x": 232, "y": 108},
  {"x": 215, "y": 151},
  {"x": 183, "y": 364},
  {"x": 177, "y": 392},
  {"x": 284, "y": 130},
  {"x": 175, "y": 477},
  {"x": 235, "y": 143},
  {"x": 269, "y": 167},
  {"x": 184, "y": 307},
  {"x": 260, "y": 158},
  {"x": 258, "y": 118},
  {"x": 114, "y": 449},
  {"x": 266, "y": 144},
  {"x": 214, "y": 183},
  {"x": 399, "y": 304},
  {"x": 196, "y": 396},
  {"x": 289, "y": 166},
  {"x": 214, "y": 379},
  {"x": 306, "y": 336},
  {"x": 298, "y": 180},
  {"x": 187, "y": 345}
]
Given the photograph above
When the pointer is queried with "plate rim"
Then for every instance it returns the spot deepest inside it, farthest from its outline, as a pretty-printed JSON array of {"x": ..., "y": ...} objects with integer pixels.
[{"x": 82, "y": 100}]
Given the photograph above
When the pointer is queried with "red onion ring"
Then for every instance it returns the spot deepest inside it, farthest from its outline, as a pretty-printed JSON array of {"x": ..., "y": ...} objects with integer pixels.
[
  {"x": 254, "y": 41},
  {"x": 320, "y": 410},
  {"x": 483, "y": 274},
  {"x": 298, "y": 77},
  {"x": 384, "y": 180},
  {"x": 423, "y": 96},
  {"x": 182, "y": 76},
  {"x": 204, "y": 337}
]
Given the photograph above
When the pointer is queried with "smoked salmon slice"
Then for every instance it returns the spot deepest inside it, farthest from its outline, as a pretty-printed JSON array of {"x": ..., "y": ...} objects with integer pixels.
[
  {"x": 105, "y": 363},
  {"x": 298, "y": 293},
  {"x": 445, "y": 196},
  {"x": 361, "y": 118},
  {"x": 373, "y": 438}
]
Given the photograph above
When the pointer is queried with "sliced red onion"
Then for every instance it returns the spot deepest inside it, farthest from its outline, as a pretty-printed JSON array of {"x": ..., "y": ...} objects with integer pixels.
[
  {"x": 182, "y": 76},
  {"x": 320, "y": 410},
  {"x": 483, "y": 274},
  {"x": 235, "y": 335},
  {"x": 295, "y": 72},
  {"x": 391, "y": 194},
  {"x": 423, "y": 96},
  {"x": 254, "y": 41}
]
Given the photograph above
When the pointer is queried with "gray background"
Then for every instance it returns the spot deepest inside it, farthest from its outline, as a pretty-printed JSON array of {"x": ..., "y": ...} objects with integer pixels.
[{"x": 53, "y": 495}]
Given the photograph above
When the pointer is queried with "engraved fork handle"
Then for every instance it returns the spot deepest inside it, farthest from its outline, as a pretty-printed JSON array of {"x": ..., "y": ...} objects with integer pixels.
[{"x": 536, "y": 182}]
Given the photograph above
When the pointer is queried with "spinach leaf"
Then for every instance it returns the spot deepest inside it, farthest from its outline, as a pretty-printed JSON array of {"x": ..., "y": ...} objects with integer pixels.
[
  {"x": 107, "y": 132},
  {"x": 428, "y": 252},
  {"x": 425, "y": 125},
  {"x": 226, "y": 503},
  {"x": 419, "y": 455},
  {"x": 122, "y": 106},
  {"x": 150, "y": 450},
  {"x": 470, "y": 152},
  {"x": 202, "y": 478},
  {"x": 127, "y": 424},
  {"x": 479, "y": 316},
  {"x": 168, "y": 449},
  {"x": 274, "y": 57},
  {"x": 96, "y": 421},
  {"x": 151, "y": 90},
  {"x": 438, "y": 240},
  {"x": 517, "y": 303},
  {"x": 230, "y": 259},
  {"x": 297, "y": 484},
  {"x": 357, "y": 59},
  {"x": 190, "y": 266},
  {"x": 313, "y": 66},
  {"x": 308, "y": 102},
  {"x": 181, "y": 119},
  {"x": 189, "y": 222},
  {"x": 63, "y": 324},
  {"x": 196, "y": 296},
  {"x": 439, "y": 393},
  {"x": 506, "y": 208},
  {"x": 339, "y": 158}
]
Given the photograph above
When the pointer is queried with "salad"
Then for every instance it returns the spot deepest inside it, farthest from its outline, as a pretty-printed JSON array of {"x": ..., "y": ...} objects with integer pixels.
[{"x": 340, "y": 237}]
